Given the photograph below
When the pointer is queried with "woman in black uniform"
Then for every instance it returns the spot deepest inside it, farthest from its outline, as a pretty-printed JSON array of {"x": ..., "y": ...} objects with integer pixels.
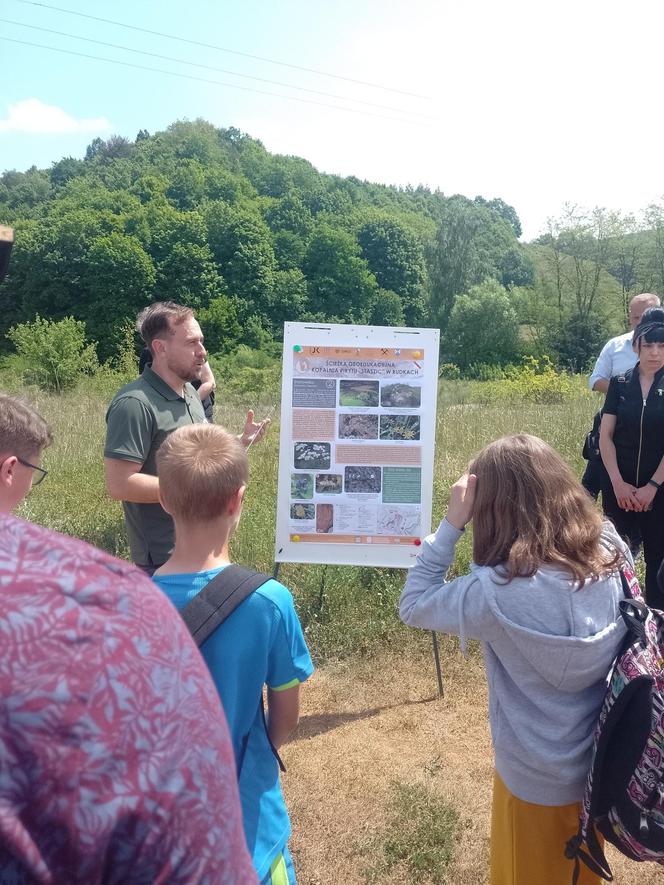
[{"x": 632, "y": 447}]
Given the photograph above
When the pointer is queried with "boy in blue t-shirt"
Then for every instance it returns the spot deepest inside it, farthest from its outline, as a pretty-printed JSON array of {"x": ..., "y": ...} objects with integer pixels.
[{"x": 203, "y": 472}]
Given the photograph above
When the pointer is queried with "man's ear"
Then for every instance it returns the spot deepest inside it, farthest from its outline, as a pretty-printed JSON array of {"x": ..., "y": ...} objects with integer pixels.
[
  {"x": 157, "y": 347},
  {"x": 7, "y": 468}
]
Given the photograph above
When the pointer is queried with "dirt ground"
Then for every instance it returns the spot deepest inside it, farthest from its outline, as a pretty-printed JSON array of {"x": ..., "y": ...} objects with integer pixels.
[{"x": 367, "y": 724}]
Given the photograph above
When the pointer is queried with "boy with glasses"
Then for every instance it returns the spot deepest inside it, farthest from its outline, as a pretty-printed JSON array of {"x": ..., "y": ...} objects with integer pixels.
[{"x": 23, "y": 436}]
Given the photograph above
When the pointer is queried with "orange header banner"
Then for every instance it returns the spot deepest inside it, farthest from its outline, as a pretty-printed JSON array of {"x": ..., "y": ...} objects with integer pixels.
[{"x": 360, "y": 353}]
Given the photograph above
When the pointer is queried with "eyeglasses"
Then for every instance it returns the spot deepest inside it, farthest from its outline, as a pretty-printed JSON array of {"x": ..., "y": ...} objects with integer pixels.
[{"x": 38, "y": 476}]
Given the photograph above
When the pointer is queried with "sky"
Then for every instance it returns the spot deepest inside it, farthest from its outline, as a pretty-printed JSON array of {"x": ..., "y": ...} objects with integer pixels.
[{"x": 538, "y": 104}]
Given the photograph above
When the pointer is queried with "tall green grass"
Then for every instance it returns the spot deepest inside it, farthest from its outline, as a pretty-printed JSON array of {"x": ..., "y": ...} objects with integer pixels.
[{"x": 344, "y": 610}]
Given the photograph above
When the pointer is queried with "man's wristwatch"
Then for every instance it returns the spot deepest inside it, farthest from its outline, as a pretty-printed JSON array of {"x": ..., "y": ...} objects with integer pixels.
[{"x": 651, "y": 482}]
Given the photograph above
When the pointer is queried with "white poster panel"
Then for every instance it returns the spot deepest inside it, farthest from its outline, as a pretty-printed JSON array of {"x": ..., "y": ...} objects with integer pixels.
[{"x": 358, "y": 424}]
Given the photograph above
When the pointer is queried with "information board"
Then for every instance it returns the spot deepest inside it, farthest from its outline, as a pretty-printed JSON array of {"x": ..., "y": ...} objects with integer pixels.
[{"x": 358, "y": 424}]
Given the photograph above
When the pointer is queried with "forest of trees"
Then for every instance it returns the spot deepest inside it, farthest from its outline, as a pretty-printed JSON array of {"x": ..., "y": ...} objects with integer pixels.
[{"x": 207, "y": 217}]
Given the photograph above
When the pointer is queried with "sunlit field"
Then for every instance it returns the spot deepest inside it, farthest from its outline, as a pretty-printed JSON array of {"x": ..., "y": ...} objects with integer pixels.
[{"x": 344, "y": 610}]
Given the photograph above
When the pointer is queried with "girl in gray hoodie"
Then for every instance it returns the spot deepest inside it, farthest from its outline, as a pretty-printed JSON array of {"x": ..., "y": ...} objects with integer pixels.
[{"x": 542, "y": 595}]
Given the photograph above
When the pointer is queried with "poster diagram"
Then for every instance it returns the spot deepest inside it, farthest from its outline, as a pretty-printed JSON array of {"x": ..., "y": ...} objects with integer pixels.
[{"x": 358, "y": 419}]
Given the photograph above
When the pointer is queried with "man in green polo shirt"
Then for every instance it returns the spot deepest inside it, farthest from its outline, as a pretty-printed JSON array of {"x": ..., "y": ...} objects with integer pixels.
[{"x": 141, "y": 416}]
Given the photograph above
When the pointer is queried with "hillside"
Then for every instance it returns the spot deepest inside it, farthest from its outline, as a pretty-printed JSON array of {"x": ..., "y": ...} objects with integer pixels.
[{"x": 208, "y": 217}]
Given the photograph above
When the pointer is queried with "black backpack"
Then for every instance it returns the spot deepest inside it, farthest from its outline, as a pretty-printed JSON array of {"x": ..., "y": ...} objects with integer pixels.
[
  {"x": 624, "y": 795},
  {"x": 213, "y": 605},
  {"x": 590, "y": 449}
]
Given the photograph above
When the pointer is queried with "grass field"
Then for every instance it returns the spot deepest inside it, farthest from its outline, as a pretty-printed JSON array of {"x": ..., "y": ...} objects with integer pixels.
[
  {"x": 385, "y": 782},
  {"x": 344, "y": 610}
]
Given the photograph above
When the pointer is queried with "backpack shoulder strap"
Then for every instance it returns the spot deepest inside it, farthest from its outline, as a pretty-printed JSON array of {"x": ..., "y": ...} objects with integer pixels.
[{"x": 219, "y": 599}]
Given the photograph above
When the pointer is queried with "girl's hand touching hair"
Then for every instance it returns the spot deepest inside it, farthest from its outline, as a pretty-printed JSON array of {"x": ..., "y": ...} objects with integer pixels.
[{"x": 462, "y": 500}]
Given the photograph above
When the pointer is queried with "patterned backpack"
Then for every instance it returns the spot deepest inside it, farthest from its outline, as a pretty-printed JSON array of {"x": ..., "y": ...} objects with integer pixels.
[{"x": 624, "y": 795}]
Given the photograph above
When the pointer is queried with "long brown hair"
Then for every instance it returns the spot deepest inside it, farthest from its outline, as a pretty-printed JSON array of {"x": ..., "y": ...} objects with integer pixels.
[{"x": 530, "y": 510}]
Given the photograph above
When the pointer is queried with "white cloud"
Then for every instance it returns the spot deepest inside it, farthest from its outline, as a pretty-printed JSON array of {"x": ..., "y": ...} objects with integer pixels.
[{"x": 33, "y": 117}]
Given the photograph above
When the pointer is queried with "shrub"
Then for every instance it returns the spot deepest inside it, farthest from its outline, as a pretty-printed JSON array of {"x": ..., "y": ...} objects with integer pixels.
[
  {"x": 54, "y": 354},
  {"x": 486, "y": 372},
  {"x": 535, "y": 381},
  {"x": 483, "y": 327},
  {"x": 251, "y": 373},
  {"x": 449, "y": 371}
]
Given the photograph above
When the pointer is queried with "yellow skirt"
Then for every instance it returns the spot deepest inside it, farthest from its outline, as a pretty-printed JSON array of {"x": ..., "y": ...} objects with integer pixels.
[{"x": 528, "y": 841}]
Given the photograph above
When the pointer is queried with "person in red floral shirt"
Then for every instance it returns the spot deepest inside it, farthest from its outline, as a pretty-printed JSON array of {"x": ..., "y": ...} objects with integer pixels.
[{"x": 115, "y": 760}]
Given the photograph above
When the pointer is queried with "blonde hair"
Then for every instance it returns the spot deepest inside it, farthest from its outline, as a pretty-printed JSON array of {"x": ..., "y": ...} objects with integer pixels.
[
  {"x": 23, "y": 431},
  {"x": 530, "y": 510},
  {"x": 200, "y": 467}
]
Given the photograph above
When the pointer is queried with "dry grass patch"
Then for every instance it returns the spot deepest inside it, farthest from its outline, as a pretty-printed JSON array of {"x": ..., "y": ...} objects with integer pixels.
[{"x": 375, "y": 741}]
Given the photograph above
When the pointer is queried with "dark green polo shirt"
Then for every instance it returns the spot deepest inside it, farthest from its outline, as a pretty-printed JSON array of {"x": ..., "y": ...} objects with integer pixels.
[{"x": 139, "y": 419}]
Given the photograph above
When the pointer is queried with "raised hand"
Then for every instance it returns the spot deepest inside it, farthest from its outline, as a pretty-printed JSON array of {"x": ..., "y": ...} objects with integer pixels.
[
  {"x": 462, "y": 501},
  {"x": 253, "y": 432}
]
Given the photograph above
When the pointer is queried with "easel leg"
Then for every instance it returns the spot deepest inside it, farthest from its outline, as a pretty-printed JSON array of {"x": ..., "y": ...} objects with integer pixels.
[
  {"x": 436, "y": 656},
  {"x": 275, "y": 573}
]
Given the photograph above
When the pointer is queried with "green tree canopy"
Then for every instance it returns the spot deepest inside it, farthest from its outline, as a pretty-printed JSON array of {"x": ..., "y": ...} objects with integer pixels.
[
  {"x": 483, "y": 327},
  {"x": 340, "y": 282}
]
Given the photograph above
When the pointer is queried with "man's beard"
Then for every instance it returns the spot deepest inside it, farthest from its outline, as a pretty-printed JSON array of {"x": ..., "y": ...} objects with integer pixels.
[{"x": 186, "y": 373}]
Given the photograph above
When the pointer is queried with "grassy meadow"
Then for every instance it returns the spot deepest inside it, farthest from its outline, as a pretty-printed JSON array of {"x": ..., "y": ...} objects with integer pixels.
[
  {"x": 344, "y": 610},
  {"x": 384, "y": 777}
]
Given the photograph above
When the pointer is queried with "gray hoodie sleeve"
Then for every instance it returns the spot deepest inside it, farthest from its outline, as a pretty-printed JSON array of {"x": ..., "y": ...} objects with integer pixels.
[{"x": 459, "y": 607}]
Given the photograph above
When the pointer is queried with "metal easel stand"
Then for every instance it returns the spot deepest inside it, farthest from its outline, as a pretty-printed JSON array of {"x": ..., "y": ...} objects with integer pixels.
[
  {"x": 436, "y": 657},
  {"x": 434, "y": 640}
]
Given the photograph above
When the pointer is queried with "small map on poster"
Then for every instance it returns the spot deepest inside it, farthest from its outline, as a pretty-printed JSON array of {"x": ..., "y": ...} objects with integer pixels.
[{"x": 357, "y": 442}]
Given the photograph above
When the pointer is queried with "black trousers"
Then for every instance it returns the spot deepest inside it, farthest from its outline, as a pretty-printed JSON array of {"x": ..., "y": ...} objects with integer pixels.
[
  {"x": 594, "y": 476},
  {"x": 593, "y": 480},
  {"x": 650, "y": 526}
]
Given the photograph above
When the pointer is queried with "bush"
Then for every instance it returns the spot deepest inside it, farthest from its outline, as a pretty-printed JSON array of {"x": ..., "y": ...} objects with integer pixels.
[
  {"x": 578, "y": 341},
  {"x": 483, "y": 327},
  {"x": 535, "y": 381},
  {"x": 486, "y": 372},
  {"x": 449, "y": 371},
  {"x": 54, "y": 354},
  {"x": 250, "y": 373}
]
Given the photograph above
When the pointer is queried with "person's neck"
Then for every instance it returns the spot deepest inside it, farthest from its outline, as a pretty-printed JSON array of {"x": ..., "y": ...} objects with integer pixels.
[
  {"x": 174, "y": 381},
  {"x": 647, "y": 378},
  {"x": 199, "y": 547}
]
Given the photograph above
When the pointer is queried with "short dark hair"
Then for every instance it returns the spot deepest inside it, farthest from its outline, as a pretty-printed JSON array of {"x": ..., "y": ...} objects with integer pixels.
[
  {"x": 23, "y": 431},
  {"x": 157, "y": 320},
  {"x": 651, "y": 327}
]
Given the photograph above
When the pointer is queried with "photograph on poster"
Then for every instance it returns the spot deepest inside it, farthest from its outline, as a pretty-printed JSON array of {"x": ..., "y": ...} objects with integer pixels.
[
  {"x": 358, "y": 426},
  {"x": 359, "y": 393},
  {"x": 362, "y": 479},
  {"x": 324, "y": 517},
  {"x": 401, "y": 396},
  {"x": 399, "y": 427},
  {"x": 329, "y": 484},
  {"x": 302, "y": 511},
  {"x": 311, "y": 456},
  {"x": 302, "y": 485}
]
